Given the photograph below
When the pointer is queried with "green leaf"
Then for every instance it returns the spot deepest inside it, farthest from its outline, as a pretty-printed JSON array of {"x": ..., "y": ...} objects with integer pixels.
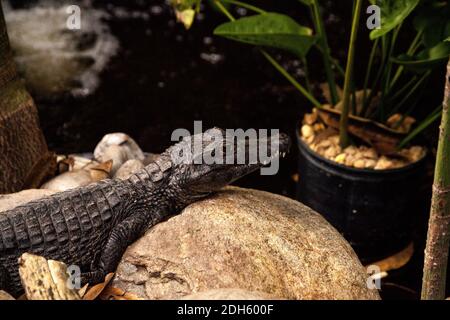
[
  {"x": 270, "y": 30},
  {"x": 393, "y": 13},
  {"x": 307, "y": 2},
  {"x": 434, "y": 23},
  {"x": 426, "y": 59}
]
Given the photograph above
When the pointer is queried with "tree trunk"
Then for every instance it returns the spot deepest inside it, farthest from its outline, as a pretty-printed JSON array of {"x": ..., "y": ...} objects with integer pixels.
[
  {"x": 436, "y": 253},
  {"x": 24, "y": 157}
]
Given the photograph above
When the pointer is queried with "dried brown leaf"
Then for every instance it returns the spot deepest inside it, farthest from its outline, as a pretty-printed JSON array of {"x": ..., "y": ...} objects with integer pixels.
[
  {"x": 396, "y": 261},
  {"x": 83, "y": 290},
  {"x": 112, "y": 293},
  {"x": 96, "y": 290},
  {"x": 377, "y": 135}
]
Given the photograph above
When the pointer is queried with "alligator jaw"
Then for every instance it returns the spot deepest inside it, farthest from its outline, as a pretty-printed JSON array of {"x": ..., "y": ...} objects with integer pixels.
[{"x": 202, "y": 178}]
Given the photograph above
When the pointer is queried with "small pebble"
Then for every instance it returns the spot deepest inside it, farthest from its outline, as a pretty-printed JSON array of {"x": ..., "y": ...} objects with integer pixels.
[
  {"x": 334, "y": 140},
  {"x": 369, "y": 153},
  {"x": 318, "y": 127},
  {"x": 351, "y": 150},
  {"x": 349, "y": 160},
  {"x": 370, "y": 164},
  {"x": 310, "y": 139},
  {"x": 341, "y": 158},
  {"x": 383, "y": 164},
  {"x": 359, "y": 164},
  {"x": 307, "y": 131},
  {"x": 310, "y": 118},
  {"x": 332, "y": 152},
  {"x": 416, "y": 153},
  {"x": 128, "y": 168}
]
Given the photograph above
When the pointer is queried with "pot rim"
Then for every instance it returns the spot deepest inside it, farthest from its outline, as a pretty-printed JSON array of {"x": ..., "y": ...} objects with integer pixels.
[{"x": 302, "y": 145}]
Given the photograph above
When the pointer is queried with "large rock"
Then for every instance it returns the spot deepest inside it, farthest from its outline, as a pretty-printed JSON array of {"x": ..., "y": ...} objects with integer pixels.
[
  {"x": 245, "y": 239},
  {"x": 12, "y": 200}
]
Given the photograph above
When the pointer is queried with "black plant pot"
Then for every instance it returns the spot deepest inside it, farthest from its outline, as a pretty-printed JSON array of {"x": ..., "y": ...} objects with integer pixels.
[{"x": 373, "y": 209}]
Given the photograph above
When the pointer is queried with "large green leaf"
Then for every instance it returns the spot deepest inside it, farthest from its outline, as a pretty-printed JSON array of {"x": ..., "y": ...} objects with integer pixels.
[
  {"x": 270, "y": 30},
  {"x": 393, "y": 12},
  {"x": 433, "y": 20},
  {"x": 425, "y": 59}
]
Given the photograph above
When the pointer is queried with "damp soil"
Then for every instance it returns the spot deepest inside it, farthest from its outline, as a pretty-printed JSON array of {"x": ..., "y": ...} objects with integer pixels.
[{"x": 164, "y": 78}]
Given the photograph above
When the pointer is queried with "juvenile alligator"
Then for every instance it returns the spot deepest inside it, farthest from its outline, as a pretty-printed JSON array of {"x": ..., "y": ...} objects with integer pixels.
[{"x": 92, "y": 226}]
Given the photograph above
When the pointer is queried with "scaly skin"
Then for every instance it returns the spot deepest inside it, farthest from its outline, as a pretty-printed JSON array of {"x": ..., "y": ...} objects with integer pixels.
[{"x": 92, "y": 226}]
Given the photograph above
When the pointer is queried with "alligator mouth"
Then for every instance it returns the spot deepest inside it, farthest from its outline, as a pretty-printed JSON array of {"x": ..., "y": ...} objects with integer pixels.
[
  {"x": 274, "y": 147},
  {"x": 283, "y": 143}
]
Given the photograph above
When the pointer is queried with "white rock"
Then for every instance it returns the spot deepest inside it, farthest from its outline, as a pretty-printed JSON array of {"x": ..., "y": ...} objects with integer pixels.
[
  {"x": 78, "y": 178},
  {"x": 117, "y": 155},
  {"x": 128, "y": 168},
  {"x": 118, "y": 147},
  {"x": 68, "y": 180},
  {"x": 307, "y": 131}
]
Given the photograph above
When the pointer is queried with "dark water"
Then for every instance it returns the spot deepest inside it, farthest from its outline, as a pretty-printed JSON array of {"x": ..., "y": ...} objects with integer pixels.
[{"x": 160, "y": 80}]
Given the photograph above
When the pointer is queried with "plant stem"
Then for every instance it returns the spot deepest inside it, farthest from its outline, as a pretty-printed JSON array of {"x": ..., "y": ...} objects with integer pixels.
[
  {"x": 401, "y": 92},
  {"x": 368, "y": 72},
  {"x": 391, "y": 53},
  {"x": 224, "y": 10},
  {"x": 306, "y": 71},
  {"x": 245, "y": 5},
  {"x": 291, "y": 79},
  {"x": 412, "y": 49},
  {"x": 422, "y": 126},
  {"x": 438, "y": 238},
  {"x": 338, "y": 67},
  {"x": 326, "y": 55},
  {"x": 410, "y": 93},
  {"x": 374, "y": 87},
  {"x": 343, "y": 125}
]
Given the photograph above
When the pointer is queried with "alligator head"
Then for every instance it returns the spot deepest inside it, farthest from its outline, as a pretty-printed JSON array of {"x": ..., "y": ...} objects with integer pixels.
[{"x": 205, "y": 163}]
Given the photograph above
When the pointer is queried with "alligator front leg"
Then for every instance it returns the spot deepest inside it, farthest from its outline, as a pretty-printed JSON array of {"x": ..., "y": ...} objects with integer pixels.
[
  {"x": 121, "y": 237},
  {"x": 3, "y": 277}
]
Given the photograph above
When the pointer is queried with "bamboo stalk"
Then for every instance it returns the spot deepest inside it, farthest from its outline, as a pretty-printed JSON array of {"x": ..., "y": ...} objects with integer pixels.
[
  {"x": 343, "y": 125},
  {"x": 438, "y": 238}
]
